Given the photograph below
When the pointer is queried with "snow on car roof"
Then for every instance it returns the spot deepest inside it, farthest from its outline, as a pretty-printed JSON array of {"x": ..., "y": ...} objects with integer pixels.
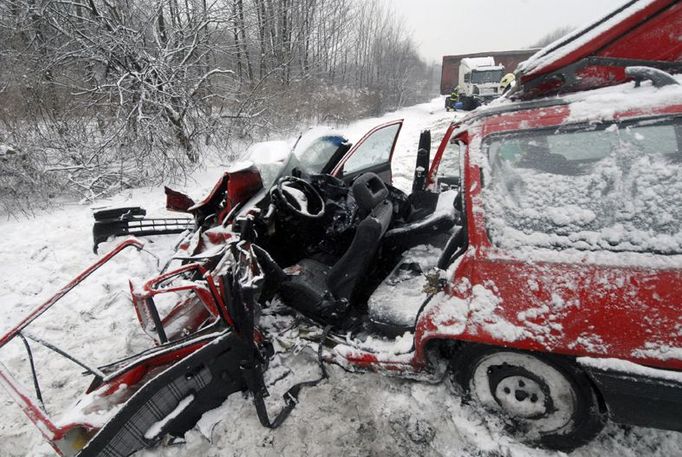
[
  {"x": 590, "y": 106},
  {"x": 605, "y": 103},
  {"x": 575, "y": 40}
]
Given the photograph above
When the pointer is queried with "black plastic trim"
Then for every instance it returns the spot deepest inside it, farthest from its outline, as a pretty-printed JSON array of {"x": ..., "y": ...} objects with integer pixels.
[{"x": 640, "y": 400}]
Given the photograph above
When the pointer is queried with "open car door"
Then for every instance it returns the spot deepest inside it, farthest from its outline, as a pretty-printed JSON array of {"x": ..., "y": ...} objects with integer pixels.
[
  {"x": 640, "y": 33},
  {"x": 372, "y": 153}
]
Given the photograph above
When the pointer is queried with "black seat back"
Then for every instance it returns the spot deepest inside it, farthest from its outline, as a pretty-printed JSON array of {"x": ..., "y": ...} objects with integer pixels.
[
  {"x": 352, "y": 267},
  {"x": 349, "y": 271},
  {"x": 369, "y": 190}
]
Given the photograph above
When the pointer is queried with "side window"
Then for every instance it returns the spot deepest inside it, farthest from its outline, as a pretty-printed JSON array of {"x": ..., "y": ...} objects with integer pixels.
[
  {"x": 615, "y": 187},
  {"x": 375, "y": 150},
  {"x": 449, "y": 164},
  {"x": 447, "y": 176},
  {"x": 653, "y": 139}
]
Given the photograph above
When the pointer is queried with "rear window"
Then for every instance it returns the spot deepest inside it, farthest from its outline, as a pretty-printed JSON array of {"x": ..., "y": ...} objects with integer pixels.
[{"x": 613, "y": 188}]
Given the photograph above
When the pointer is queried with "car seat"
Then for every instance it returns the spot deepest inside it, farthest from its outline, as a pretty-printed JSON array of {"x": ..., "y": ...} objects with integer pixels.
[{"x": 326, "y": 292}]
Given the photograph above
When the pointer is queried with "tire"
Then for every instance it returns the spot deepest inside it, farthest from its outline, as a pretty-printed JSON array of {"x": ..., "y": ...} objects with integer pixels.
[{"x": 545, "y": 400}]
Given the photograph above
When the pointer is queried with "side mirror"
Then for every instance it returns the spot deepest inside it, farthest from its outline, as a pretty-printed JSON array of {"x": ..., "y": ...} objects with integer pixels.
[{"x": 467, "y": 78}]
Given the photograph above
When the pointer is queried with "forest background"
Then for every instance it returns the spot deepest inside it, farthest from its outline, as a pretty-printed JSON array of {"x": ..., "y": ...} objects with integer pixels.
[{"x": 101, "y": 95}]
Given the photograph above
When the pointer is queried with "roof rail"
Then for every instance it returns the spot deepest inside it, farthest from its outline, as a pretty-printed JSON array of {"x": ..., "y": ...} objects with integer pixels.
[{"x": 658, "y": 78}]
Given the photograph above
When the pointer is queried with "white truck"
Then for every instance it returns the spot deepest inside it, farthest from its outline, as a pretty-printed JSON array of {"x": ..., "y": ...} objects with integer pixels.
[{"x": 479, "y": 80}]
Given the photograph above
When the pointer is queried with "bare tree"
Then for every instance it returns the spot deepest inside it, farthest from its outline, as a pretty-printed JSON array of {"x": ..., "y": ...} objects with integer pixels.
[{"x": 104, "y": 94}]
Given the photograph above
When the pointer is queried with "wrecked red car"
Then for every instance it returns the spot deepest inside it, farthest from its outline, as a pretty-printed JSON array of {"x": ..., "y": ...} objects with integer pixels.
[{"x": 537, "y": 261}]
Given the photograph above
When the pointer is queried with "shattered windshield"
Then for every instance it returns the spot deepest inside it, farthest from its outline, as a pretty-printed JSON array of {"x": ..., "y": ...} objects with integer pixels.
[
  {"x": 316, "y": 155},
  {"x": 311, "y": 158},
  {"x": 615, "y": 188},
  {"x": 484, "y": 77}
]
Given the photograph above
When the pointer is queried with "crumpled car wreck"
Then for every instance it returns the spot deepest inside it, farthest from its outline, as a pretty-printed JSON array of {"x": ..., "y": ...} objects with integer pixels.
[{"x": 503, "y": 276}]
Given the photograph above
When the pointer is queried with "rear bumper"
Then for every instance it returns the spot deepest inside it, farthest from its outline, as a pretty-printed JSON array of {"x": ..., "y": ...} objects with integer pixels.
[{"x": 638, "y": 395}]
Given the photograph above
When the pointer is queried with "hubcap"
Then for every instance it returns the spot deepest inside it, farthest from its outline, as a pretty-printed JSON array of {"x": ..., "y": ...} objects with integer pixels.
[
  {"x": 525, "y": 388},
  {"x": 521, "y": 397}
]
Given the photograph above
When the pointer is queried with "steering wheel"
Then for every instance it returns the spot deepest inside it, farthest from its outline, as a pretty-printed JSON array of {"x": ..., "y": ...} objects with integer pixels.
[{"x": 298, "y": 196}]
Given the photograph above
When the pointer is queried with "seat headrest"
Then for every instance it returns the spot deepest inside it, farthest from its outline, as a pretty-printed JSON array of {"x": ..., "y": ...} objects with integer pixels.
[{"x": 369, "y": 190}]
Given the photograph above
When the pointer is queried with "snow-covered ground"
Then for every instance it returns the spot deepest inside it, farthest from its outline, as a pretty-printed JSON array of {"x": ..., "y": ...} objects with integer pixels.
[{"x": 348, "y": 414}]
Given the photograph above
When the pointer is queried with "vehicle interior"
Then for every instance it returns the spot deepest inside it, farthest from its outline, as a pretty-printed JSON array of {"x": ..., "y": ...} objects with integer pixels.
[{"x": 339, "y": 248}]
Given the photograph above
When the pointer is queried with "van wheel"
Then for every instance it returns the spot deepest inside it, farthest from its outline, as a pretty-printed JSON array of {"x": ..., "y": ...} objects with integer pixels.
[{"x": 544, "y": 400}]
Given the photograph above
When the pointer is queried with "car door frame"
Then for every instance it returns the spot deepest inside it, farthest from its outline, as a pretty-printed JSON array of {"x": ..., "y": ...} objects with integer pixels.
[{"x": 382, "y": 169}]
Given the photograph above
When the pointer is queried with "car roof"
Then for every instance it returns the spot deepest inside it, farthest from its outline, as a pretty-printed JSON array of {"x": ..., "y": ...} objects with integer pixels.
[{"x": 625, "y": 101}]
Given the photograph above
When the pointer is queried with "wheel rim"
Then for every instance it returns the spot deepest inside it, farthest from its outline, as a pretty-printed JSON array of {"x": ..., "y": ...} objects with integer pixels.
[
  {"x": 525, "y": 389},
  {"x": 522, "y": 396}
]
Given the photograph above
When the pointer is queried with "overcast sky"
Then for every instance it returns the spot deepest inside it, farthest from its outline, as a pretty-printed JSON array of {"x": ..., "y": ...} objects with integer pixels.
[{"x": 445, "y": 27}]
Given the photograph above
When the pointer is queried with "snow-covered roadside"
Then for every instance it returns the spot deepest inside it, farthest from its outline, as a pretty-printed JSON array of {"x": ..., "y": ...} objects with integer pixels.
[{"x": 350, "y": 414}]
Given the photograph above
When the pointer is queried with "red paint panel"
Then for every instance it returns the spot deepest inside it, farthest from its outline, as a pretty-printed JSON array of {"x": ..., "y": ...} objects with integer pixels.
[
  {"x": 579, "y": 309},
  {"x": 584, "y": 310},
  {"x": 623, "y": 39},
  {"x": 651, "y": 34}
]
